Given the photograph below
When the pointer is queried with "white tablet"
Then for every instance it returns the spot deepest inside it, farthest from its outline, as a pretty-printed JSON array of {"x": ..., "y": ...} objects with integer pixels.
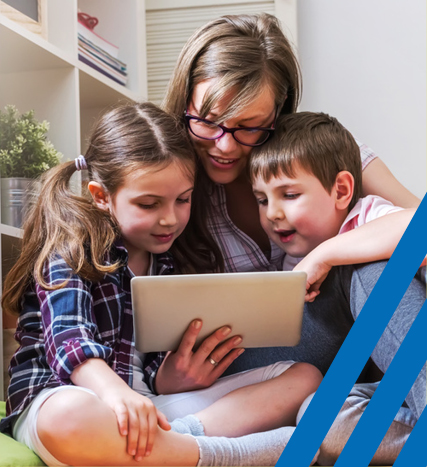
[{"x": 265, "y": 308}]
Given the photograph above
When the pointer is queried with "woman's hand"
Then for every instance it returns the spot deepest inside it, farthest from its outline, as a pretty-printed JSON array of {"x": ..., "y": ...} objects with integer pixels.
[
  {"x": 317, "y": 270},
  {"x": 188, "y": 369},
  {"x": 137, "y": 418}
]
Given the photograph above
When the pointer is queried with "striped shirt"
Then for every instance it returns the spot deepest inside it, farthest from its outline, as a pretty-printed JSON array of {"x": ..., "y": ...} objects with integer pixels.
[
  {"x": 60, "y": 329},
  {"x": 240, "y": 252}
]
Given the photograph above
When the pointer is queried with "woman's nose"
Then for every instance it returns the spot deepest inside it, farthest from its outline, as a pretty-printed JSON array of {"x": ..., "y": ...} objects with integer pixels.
[{"x": 226, "y": 143}]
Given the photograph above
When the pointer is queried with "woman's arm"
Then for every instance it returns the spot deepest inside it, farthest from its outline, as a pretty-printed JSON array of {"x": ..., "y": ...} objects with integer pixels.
[
  {"x": 373, "y": 241},
  {"x": 378, "y": 180}
]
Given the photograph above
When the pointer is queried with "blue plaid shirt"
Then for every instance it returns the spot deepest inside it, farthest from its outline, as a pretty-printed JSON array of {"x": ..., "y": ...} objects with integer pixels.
[{"x": 60, "y": 329}]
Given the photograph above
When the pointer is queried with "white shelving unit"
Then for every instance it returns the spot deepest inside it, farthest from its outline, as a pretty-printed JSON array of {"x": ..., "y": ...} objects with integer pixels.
[{"x": 45, "y": 75}]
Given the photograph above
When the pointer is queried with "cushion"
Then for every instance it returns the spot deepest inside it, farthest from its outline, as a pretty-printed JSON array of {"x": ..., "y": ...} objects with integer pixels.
[{"x": 13, "y": 453}]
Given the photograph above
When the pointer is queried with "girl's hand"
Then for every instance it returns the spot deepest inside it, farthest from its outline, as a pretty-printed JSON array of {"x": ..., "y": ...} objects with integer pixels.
[
  {"x": 137, "y": 418},
  {"x": 317, "y": 270},
  {"x": 188, "y": 369}
]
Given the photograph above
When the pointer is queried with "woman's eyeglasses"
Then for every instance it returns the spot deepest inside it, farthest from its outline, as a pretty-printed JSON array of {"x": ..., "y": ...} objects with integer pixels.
[{"x": 206, "y": 129}]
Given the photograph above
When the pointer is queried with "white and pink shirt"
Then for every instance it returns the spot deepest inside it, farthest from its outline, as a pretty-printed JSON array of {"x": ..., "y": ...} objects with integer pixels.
[{"x": 366, "y": 209}]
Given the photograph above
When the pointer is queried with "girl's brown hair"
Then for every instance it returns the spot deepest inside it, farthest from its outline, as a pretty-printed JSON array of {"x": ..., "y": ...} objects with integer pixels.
[
  {"x": 244, "y": 53},
  {"x": 60, "y": 222}
]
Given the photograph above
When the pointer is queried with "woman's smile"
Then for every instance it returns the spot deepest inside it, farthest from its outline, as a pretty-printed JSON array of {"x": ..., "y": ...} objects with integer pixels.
[{"x": 224, "y": 159}]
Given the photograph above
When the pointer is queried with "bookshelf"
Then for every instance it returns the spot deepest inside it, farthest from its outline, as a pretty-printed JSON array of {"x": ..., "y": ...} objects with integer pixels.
[{"x": 45, "y": 74}]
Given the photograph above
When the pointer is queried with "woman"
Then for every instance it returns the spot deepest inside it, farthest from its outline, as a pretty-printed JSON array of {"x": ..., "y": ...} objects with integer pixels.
[
  {"x": 233, "y": 78},
  {"x": 241, "y": 71}
]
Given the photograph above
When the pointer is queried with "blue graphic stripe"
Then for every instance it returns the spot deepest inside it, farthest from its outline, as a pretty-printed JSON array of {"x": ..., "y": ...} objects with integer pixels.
[
  {"x": 359, "y": 344},
  {"x": 388, "y": 397},
  {"x": 414, "y": 452}
]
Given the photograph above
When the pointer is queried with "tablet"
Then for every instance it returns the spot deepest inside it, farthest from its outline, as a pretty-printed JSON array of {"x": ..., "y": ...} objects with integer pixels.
[{"x": 265, "y": 308}]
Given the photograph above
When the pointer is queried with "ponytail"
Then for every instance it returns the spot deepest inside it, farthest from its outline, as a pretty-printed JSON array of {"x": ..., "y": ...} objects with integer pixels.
[
  {"x": 60, "y": 222},
  {"x": 124, "y": 139}
]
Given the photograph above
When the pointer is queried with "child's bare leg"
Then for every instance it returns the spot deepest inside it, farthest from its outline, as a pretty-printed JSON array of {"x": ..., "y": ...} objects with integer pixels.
[
  {"x": 89, "y": 436},
  {"x": 262, "y": 406},
  {"x": 79, "y": 429}
]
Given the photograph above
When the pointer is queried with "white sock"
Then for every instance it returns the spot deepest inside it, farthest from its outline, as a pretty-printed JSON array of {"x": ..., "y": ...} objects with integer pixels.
[
  {"x": 189, "y": 425},
  {"x": 251, "y": 450}
]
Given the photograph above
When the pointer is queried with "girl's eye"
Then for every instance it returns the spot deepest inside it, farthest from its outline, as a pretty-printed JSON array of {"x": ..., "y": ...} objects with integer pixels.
[
  {"x": 262, "y": 201},
  {"x": 147, "y": 206},
  {"x": 183, "y": 200}
]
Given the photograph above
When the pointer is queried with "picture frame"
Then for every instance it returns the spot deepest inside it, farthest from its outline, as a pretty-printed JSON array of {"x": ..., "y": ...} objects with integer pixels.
[{"x": 30, "y": 14}]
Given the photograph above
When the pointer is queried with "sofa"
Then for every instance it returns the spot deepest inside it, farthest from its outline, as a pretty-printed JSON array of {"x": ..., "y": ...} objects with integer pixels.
[{"x": 12, "y": 453}]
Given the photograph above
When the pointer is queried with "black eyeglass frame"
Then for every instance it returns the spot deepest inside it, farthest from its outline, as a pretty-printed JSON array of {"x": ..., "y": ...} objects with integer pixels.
[{"x": 224, "y": 129}]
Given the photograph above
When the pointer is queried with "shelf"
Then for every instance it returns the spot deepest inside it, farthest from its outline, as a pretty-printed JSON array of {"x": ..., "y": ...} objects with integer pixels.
[
  {"x": 11, "y": 231},
  {"x": 123, "y": 24},
  {"x": 97, "y": 90},
  {"x": 29, "y": 52},
  {"x": 46, "y": 76}
]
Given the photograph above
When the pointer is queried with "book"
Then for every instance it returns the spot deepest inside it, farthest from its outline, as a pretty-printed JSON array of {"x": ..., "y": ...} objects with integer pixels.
[
  {"x": 96, "y": 39},
  {"x": 101, "y": 54},
  {"x": 102, "y": 67}
]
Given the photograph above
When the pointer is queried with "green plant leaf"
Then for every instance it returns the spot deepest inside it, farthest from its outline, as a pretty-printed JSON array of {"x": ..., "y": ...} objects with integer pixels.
[{"x": 25, "y": 150}]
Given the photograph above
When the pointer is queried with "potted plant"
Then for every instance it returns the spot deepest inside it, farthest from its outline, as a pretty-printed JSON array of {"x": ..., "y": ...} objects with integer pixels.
[{"x": 25, "y": 153}]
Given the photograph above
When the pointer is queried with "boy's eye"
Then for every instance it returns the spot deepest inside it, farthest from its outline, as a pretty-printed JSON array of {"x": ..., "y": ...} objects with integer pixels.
[
  {"x": 262, "y": 201},
  {"x": 291, "y": 195}
]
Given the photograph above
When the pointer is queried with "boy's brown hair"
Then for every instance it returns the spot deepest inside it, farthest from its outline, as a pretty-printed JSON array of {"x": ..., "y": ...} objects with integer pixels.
[{"x": 317, "y": 142}]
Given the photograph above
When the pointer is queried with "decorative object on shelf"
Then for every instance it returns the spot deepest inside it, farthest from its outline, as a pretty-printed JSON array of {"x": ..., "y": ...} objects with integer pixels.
[
  {"x": 97, "y": 52},
  {"x": 31, "y": 14},
  {"x": 25, "y": 153}
]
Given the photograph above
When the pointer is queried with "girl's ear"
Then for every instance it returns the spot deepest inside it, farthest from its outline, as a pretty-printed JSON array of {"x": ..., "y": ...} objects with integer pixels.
[
  {"x": 99, "y": 195},
  {"x": 344, "y": 188}
]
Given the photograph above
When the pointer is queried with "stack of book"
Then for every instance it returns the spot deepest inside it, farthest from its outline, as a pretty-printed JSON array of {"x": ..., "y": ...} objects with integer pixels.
[{"x": 100, "y": 54}]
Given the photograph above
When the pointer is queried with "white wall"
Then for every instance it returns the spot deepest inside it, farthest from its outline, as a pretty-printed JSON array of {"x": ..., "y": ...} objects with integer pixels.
[{"x": 364, "y": 62}]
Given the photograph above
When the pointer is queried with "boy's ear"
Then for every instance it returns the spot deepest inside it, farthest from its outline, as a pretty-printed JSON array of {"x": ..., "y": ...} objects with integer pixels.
[
  {"x": 99, "y": 195},
  {"x": 344, "y": 188}
]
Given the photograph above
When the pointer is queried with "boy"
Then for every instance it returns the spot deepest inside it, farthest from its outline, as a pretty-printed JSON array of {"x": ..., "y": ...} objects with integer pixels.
[{"x": 308, "y": 183}]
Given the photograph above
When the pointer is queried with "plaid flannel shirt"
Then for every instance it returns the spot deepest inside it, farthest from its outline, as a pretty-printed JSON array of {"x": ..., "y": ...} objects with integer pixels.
[
  {"x": 60, "y": 329},
  {"x": 240, "y": 252}
]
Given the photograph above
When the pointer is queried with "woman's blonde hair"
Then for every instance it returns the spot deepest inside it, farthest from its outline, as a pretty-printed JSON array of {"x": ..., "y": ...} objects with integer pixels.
[
  {"x": 124, "y": 139},
  {"x": 244, "y": 53}
]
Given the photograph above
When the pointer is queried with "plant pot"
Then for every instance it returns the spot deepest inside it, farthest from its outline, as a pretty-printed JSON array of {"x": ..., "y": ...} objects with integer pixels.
[{"x": 14, "y": 195}]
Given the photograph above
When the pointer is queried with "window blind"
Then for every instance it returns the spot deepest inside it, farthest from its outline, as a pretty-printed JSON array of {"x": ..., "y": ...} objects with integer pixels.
[{"x": 168, "y": 29}]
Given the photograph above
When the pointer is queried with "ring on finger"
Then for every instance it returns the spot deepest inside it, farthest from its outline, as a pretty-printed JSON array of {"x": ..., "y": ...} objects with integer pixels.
[{"x": 212, "y": 361}]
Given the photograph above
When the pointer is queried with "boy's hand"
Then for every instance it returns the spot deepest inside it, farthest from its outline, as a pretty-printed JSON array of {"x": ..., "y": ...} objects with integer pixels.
[
  {"x": 317, "y": 271},
  {"x": 188, "y": 369},
  {"x": 137, "y": 418}
]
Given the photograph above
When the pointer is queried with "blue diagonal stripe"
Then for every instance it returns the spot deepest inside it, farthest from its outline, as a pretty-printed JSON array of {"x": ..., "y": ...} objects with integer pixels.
[
  {"x": 414, "y": 452},
  {"x": 387, "y": 399},
  {"x": 359, "y": 344}
]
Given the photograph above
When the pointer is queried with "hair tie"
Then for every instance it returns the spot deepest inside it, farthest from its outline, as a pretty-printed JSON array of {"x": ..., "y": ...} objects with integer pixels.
[{"x": 80, "y": 163}]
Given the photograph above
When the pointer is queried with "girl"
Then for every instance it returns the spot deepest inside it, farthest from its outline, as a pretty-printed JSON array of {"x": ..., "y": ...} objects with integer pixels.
[{"x": 70, "y": 397}]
